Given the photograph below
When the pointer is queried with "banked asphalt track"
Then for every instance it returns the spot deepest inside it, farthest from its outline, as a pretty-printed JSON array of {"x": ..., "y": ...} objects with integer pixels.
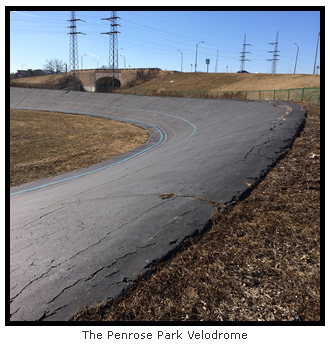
[{"x": 83, "y": 237}]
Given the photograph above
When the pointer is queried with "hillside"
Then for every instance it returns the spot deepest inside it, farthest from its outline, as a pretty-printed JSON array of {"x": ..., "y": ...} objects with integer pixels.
[
  {"x": 173, "y": 80},
  {"x": 51, "y": 81},
  {"x": 229, "y": 81}
]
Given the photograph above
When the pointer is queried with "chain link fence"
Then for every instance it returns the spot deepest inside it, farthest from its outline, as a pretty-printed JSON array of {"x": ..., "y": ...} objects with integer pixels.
[{"x": 295, "y": 95}]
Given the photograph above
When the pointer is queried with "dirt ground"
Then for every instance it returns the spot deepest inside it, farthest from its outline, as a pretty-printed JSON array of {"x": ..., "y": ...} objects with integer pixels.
[
  {"x": 45, "y": 144},
  {"x": 259, "y": 262}
]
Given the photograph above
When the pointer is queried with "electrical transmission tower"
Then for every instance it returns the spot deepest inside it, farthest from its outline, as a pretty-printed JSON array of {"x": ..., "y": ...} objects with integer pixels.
[
  {"x": 275, "y": 55},
  {"x": 74, "y": 59},
  {"x": 113, "y": 44},
  {"x": 243, "y": 60}
]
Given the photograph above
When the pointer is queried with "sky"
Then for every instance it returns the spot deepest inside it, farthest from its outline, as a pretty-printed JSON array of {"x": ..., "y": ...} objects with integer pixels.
[{"x": 160, "y": 39}]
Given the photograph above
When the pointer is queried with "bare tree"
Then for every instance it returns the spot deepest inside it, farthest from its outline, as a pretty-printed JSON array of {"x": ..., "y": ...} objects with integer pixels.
[{"x": 55, "y": 66}]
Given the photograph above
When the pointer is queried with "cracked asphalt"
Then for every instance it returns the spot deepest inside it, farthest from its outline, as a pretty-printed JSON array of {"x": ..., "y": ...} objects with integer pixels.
[{"x": 83, "y": 237}]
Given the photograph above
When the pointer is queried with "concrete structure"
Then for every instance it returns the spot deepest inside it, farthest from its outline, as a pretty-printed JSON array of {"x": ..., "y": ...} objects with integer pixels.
[{"x": 96, "y": 80}]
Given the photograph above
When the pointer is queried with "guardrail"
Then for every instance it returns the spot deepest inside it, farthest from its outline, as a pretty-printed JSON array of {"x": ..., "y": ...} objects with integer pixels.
[{"x": 294, "y": 95}]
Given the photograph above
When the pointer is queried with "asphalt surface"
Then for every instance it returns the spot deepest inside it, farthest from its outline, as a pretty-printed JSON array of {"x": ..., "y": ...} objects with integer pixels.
[{"x": 83, "y": 237}]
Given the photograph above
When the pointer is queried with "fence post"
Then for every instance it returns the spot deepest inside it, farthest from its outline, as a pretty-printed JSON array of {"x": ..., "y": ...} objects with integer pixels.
[
  {"x": 274, "y": 95},
  {"x": 288, "y": 94},
  {"x": 259, "y": 94},
  {"x": 302, "y": 95}
]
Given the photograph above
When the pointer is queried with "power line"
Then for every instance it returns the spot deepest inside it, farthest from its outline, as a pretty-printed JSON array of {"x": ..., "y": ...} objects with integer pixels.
[{"x": 148, "y": 38}]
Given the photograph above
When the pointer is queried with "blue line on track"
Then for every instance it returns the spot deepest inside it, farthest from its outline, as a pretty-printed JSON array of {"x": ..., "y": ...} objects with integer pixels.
[
  {"x": 104, "y": 167},
  {"x": 131, "y": 157},
  {"x": 163, "y": 114}
]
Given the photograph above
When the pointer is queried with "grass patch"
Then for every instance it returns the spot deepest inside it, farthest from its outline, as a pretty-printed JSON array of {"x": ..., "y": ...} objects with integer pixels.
[
  {"x": 259, "y": 262},
  {"x": 45, "y": 144},
  {"x": 167, "y": 80}
]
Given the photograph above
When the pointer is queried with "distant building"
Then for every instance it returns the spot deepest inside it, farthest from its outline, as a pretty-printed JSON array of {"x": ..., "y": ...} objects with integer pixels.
[
  {"x": 22, "y": 73},
  {"x": 29, "y": 73}
]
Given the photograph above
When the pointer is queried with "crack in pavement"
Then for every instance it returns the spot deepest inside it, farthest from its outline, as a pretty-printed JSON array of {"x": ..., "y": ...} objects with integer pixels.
[
  {"x": 63, "y": 290},
  {"x": 112, "y": 231},
  {"x": 27, "y": 285},
  {"x": 164, "y": 196},
  {"x": 39, "y": 218},
  {"x": 87, "y": 248},
  {"x": 116, "y": 261},
  {"x": 47, "y": 314},
  {"x": 217, "y": 204}
]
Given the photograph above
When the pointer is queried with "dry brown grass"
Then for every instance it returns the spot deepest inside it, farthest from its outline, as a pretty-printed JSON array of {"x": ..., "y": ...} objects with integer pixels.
[
  {"x": 259, "y": 262},
  {"x": 51, "y": 80},
  {"x": 169, "y": 80},
  {"x": 229, "y": 81},
  {"x": 45, "y": 144}
]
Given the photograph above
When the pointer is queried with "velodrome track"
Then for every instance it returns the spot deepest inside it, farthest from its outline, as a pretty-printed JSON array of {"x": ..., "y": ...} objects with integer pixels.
[{"x": 82, "y": 237}]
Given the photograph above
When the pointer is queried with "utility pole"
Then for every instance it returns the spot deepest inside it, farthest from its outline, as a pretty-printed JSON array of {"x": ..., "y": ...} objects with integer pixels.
[
  {"x": 275, "y": 51},
  {"x": 84, "y": 55},
  {"x": 216, "y": 63},
  {"x": 124, "y": 61},
  {"x": 295, "y": 65},
  {"x": 74, "y": 58},
  {"x": 317, "y": 47},
  {"x": 113, "y": 44},
  {"x": 243, "y": 60},
  {"x": 196, "y": 54},
  {"x": 181, "y": 59}
]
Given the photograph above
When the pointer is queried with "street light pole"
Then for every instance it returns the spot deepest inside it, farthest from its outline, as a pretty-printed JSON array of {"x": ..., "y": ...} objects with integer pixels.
[
  {"x": 82, "y": 60},
  {"x": 295, "y": 65},
  {"x": 124, "y": 61},
  {"x": 181, "y": 59},
  {"x": 120, "y": 49},
  {"x": 196, "y": 54},
  {"x": 317, "y": 46},
  {"x": 216, "y": 64}
]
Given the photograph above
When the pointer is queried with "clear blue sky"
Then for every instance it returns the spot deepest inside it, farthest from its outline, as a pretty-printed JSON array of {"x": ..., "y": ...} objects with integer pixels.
[{"x": 152, "y": 39}]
